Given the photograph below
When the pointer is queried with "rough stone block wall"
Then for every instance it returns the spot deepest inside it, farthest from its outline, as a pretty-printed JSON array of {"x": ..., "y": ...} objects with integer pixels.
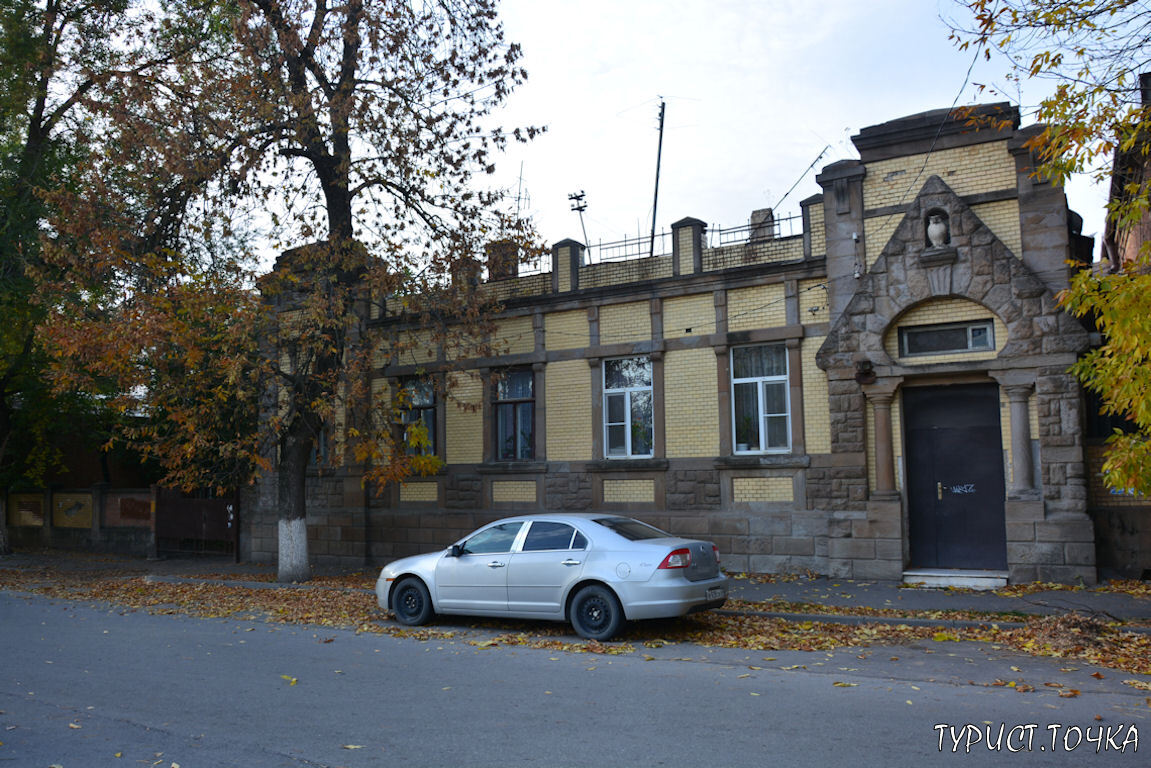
[
  {"x": 1045, "y": 548},
  {"x": 836, "y": 488},
  {"x": 693, "y": 490},
  {"x": 568, "y": 492},
  {"x": 463, "y": 491},
  {"x": 1062, "y": 465}
]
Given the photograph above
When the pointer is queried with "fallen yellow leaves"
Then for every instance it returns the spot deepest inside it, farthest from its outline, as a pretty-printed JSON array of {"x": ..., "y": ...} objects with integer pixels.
[{"x": 338, "y": 606}]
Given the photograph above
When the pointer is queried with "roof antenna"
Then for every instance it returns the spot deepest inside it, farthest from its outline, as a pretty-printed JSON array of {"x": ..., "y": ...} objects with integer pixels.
[{"x": 579, "y": 206}]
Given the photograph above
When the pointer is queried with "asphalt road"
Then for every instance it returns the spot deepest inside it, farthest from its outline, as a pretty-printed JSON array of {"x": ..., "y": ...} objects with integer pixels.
[{"x": 84, "y": 686}]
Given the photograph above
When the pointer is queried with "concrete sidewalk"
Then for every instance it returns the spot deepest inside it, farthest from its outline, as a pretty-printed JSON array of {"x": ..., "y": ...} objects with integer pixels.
[
  {"x": 845, "y": 593},
  {"x": 778, "y": 596}
]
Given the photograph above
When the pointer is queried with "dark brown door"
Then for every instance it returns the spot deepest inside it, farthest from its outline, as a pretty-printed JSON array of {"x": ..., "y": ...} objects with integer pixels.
[{"x": 954, "y": 460}]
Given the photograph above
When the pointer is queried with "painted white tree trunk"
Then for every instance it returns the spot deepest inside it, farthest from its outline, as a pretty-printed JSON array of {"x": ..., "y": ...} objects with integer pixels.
[
  {"x": 293, "y": 551},
  {"x": 4, "y": 527}
]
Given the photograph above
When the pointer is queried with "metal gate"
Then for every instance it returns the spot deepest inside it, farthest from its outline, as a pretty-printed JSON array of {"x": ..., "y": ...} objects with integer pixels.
[{"x": 187, "y": 524}]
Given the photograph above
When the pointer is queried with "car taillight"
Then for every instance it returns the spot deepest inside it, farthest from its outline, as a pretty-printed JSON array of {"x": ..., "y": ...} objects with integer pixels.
[
  {"x": 678, "y": 558},
  {"x": 715, "y": 549}
]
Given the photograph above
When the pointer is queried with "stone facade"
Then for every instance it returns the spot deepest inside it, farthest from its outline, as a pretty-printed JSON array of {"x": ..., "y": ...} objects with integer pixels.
[{"x": 823, "y": 482}]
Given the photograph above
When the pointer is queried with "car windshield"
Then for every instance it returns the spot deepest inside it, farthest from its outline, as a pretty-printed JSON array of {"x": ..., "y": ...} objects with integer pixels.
[{"x": 632, "y": 530}]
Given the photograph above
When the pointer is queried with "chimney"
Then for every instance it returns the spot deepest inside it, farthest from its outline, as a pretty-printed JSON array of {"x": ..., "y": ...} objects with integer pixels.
[
  {"x": 503, "y": 259},
  {"x": 762, "y": 225}
]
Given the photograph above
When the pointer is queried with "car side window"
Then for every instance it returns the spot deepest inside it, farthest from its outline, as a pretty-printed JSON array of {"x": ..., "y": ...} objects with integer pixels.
[
  {"x": 544, "y": 535},
  {"x": 494, "y": 540}
]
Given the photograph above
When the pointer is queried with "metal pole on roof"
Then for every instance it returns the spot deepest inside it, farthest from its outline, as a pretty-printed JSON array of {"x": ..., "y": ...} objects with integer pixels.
[{"x": 658, "y": 158}]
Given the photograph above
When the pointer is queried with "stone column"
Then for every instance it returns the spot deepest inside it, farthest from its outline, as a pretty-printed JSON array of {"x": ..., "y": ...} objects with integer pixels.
[
  {"x": 842, "y": 184},
  {"x": 884, "y": 448},
  {"x": 1022, "y": 467},
  {"x": 1018, "y": 385},
  {"x": 881, "y": 395}
]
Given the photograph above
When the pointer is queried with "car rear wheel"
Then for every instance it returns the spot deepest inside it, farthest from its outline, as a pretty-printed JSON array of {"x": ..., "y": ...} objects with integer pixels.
[
  {"x": 411, "y": 602},
  {"x": 596, "y": 613}
]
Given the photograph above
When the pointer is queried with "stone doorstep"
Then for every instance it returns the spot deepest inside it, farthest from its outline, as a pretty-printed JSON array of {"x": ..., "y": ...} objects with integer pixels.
[{"x": 946, "y": 577}]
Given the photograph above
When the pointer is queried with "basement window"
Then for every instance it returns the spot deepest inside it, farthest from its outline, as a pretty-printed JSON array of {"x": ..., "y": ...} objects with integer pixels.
[{"x": 947, "y": 338}]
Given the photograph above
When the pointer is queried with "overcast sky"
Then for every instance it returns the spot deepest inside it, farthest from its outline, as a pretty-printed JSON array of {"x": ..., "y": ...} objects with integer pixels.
[{"x": 755, "y": 90}]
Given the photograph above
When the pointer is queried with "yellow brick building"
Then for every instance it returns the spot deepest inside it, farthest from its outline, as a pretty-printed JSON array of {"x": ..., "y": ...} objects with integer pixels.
[{"x": 880, "y": 394}]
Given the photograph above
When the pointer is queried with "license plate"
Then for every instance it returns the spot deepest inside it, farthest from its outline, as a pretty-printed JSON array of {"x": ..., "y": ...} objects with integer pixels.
[{"x": 715, "y": 593}]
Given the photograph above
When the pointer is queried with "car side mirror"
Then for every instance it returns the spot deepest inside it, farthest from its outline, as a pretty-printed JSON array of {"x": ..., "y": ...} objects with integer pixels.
[{"x": 457, "y": 550}]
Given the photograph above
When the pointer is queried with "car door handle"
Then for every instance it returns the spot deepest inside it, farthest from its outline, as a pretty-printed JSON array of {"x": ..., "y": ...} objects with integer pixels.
[
  {"x": 495, "y": 564},
  {"x": 569, "y": 561}
]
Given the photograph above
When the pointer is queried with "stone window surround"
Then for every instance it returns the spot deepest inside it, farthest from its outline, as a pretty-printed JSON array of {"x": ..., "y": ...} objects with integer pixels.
[
  {"x": 539, "y": 427},
  {"x": 497, "y": 403},
  {"x": 969, "y": 325},
  {"x": 437, "y": 434},
  {"x": 759, "y": 381},
  {"x": 795, "y": 399},
  {"x": 604, "y": 393}
]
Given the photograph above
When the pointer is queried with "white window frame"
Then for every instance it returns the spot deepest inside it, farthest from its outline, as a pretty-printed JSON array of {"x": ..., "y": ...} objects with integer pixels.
[
  {"x": 969, "y": 326},
  {"x": 627, "y": 393},
  {"x": 761, "y": 382}
]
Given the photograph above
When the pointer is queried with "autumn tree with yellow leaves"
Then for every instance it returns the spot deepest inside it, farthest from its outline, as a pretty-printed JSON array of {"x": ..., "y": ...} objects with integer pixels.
[
  {"x": 357, "y": 139},
  {"x": 1097, "y": 121}
]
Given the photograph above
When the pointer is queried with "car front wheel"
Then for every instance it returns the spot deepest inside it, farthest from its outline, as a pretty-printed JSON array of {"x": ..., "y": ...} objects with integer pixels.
[
  {"x": 411, "y": 602},
  {"x": 596, "y": 613}
]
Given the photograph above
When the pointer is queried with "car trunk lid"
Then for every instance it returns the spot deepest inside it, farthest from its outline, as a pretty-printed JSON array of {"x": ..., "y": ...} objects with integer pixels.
[{"x": 703, "y": 561}]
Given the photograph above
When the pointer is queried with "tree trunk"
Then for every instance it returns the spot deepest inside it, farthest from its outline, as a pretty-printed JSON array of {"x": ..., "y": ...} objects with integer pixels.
[
  {"x": 5, "y": 549},
  {"x": 5, "y": 432},
  {"x": 295, "y": 450}
]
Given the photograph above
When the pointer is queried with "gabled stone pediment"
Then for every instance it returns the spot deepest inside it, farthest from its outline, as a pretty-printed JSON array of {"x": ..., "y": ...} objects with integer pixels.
[{"x": 941, "y": 248}]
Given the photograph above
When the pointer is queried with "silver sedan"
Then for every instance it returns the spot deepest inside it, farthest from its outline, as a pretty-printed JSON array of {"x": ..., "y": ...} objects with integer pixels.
[{"x": 594, "y": 570}]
